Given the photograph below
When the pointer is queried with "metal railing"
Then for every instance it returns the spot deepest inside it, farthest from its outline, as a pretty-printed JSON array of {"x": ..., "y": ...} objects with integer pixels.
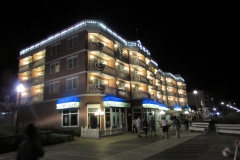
[
  {"x": 123, "y": 93},
  {"x": 92, "y": 88},
  {"x": 140, "y": 95},
  {"x": 104, "y": 49},
  {"x": 39, "y": 62},
  {"x": 101, "y": 68}
]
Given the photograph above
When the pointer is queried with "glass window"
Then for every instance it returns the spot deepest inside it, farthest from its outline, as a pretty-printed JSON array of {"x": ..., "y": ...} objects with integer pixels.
[
  {"x": 54, "y": 87},
  {"x": 72, "y": 62},
  {"x": 72, "y": 42},
  {"x": 55, "y": 49},
  {"x": 69, "y": 118},
  {"x": 55, "y": 67},
  {"x": 72, "y": 83}
]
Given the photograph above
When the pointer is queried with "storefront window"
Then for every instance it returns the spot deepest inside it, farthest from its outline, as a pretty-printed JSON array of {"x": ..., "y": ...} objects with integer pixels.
[{"x": 70, "y": 118}]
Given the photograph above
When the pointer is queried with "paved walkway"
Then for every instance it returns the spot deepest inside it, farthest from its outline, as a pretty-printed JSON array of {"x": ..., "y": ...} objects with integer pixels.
[{"x": 190, "y": 146}]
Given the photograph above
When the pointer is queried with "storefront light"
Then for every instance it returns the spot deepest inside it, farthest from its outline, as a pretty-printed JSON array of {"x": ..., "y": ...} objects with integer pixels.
[{"x": 162, "y": 112}]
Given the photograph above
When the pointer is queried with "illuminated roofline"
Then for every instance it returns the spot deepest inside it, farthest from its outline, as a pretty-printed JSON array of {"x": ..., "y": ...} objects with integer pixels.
[{"x": 83, "y": 24}]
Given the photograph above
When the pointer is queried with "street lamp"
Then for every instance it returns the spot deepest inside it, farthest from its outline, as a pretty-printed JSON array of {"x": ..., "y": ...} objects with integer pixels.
[
  {"x": 20, "y": 89},
  {"x": 212, "y": 103},
  {"x": 99, "y": 113},
  {"x": 223, "y": 108}
]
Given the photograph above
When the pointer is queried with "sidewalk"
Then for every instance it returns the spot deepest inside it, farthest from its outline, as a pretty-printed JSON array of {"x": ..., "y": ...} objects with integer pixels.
[{"x": 190, "y": 145}]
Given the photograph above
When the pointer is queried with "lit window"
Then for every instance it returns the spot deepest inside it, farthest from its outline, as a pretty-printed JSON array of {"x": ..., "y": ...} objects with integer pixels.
[
  {"x": 54, "y": 87},
  {"x": 72, "y": 83},
  {"x": 55, "y": 49},
  {"x": 72, "y": 62},
  {"x": 55, "y": 67},
  {"x": 69, "y": 118},
  {"x": 72, "y": 42}
]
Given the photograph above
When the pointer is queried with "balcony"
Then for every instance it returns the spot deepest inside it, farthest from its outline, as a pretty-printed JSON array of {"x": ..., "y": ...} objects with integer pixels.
[
  {"x": 122, "y": 75},
  {"x": 121, "y": 57},
  {"x": 140, "y": 95},
  {"x": 158, "y": 76},
  {"x": 25, "y": 67},
  {"x": 182, "y": 96},
  {"x": 139, "y": 78},
  {"x": 171, "y": 84},
  {"x": 171, "y": 94},
  {"x": 101, "y": 68},
  {"x": 138, "y": 62},
  {"x": 100, "y": 47},
  {"x": 182, "y": 104},
  {"x": 159, "y": 88},
  {"x": 123, "y": 93},
  {"x": 38, "y": 62},
  {"x": 101, "y": 89},
  {"x": 34, "y": 81},
  {"x": 181, "y": 87},
  {"x": 31, "y": 99},
  {"x": 164, "y": 93}
]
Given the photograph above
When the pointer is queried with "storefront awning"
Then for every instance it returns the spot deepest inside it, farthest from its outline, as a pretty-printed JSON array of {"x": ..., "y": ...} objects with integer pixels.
[
  {"x": 113, "y": 101},
  {"x": 177, "y": 108},
  {"x": 187, "y": 108},
  {"x": 68, "y": 103},
  {"x": 148, "y": 103}
]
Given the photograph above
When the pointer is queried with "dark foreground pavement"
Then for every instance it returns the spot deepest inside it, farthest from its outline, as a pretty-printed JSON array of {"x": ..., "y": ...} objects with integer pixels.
[{"x": 190, "y": 146}]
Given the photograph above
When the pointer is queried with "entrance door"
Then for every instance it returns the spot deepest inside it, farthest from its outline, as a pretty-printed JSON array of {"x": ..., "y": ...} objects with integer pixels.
[{"x": 116, "y": 117}]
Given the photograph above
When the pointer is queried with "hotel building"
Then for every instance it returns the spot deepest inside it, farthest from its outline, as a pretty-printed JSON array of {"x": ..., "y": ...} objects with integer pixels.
[{"x": 86, "y": 67}]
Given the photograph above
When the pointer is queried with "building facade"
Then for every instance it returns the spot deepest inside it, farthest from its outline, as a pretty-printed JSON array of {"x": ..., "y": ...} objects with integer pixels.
[{"x": 86, "y": 67}]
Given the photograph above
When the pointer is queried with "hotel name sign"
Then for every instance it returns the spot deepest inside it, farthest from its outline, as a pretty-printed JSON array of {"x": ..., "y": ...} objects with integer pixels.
[
  {"x": 68, "y": 105},
  {"x": 116, "y": 104}
]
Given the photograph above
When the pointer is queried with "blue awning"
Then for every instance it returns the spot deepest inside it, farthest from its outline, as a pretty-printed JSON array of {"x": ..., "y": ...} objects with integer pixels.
[
  {"x": 177, "y": 108},
  {"x": 68, "y": 103},
  {"x": 113, "y": 101},
  {"x": 149, "y": 103},
  {"x": 187, "y": 108}
]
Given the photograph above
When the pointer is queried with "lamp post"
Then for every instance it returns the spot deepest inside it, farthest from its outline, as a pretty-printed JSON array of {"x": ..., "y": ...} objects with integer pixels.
[
  {"x": 20, "y": 89},
  {"x": 99, "y": 113},
  {"x": 223, "y": 108}
]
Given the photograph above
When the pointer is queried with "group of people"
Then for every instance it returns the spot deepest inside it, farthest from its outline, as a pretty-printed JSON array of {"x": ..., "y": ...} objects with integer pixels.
[{"x": 139, "y": 125}]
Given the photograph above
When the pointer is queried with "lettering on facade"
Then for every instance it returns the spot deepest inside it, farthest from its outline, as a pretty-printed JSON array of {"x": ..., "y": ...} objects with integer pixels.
[
  {"x": 68, "y": 105},
  {"x": 116, "y": 104}
]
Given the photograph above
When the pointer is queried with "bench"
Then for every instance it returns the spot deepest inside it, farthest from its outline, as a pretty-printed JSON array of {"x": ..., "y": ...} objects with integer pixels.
[
  {"x": 199, "y": 126},
  {"x": 228, "y": 128}
]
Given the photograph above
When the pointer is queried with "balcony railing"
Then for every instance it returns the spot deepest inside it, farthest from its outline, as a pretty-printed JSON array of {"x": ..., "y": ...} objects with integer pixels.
[
  {"x": 121, "y": 57},
  {"x": 102, "y": 68},
  {"x": 38, "y": 62},
  {"x": 139, "y": 78},
  {"x": 25, "y": 67},
  {"x": 158, "y": 76},
  {"x": 140, "y": 95},
  {"x": 95, "y": 88},
  {"x": 182, "y": 104},
  {"x": 181, "y": 87},
  {"x": 34, "y": 81},
  {"x": 171, "y": 94},
  {"x": 123, "y": 93},
  {"x": 136, "y": 61},
  {"x": 31, "y": 99},
  {"x": 122, "y": 75},
  {"x": 100, "y": 47},
  {"x": 182, "y": 96}
]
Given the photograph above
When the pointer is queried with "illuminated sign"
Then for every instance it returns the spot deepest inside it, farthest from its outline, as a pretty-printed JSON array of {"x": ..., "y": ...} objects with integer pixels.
[
  {"x": 177, "y": 108},
  {"x": 116, "y": 104},
  {"x": 68, "y": 102}
]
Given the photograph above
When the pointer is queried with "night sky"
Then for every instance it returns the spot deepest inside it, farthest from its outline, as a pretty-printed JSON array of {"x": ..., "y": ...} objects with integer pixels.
[{"x": 198, "y": 40}]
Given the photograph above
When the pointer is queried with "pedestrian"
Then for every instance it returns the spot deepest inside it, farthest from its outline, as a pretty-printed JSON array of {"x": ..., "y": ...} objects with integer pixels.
[
  {"x": 164, "y": 125},
  {"x": 145, "y": 127},
  {"x": 138, "y": 125},
  {"x": 152, "y": 126},
  {"x": 134, "y": 129},
  {"x": 177, "y": 125},
  {"x": 30, "y": 149}
]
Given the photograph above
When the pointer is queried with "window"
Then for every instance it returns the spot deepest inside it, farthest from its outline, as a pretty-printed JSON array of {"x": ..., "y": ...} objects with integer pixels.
[
  {"x": 56, "y": 48},
  {"x": 55, "y": 67},
  {"x": 69, "y": 118},
  {"x": 72, "y": 42},
  {"x": 54, "y": 87},
  {"x": 72, "y": 62},
  {"x": 72, "y": 83}
]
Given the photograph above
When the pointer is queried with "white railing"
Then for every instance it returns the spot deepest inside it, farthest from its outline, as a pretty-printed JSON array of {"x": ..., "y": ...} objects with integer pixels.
[
  {"x": 39, "y": 62},
  {"x": 94, "y": 133},
  {"x": 24, "y": 68}
]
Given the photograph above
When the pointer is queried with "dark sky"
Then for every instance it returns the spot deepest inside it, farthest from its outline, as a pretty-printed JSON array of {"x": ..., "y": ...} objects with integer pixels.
[{"x": 198, "y": 40}]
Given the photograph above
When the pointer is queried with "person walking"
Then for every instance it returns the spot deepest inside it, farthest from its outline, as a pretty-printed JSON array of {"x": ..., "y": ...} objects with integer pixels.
[
  {"x": 164, "y": 125},
  {"x": 134, "y": 129},
  {"x": 152, "y": 126},
  {"x": 138, "y": 125},
  {"x": 145, "y": 127},
  {"x": 177, "y": 125},
  {"x": 30, "y": 149}
]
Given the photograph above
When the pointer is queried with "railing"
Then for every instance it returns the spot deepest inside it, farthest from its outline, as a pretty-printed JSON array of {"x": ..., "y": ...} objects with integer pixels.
[
  {"x": 140, "y": 95},
  {"x": 139, "y": 78},
  {"x": 33, "y": 81},
  {"x": 122, "y": 75},
  {"x": 138, "y": 62},
  {"x": 171, "y": 94},
  {"x": 158, "y": 76},
  {"x": 39, "y": 62},
  {"x": 94, "y": 133},
  {"x": 181, "y": 87},
  {"x": 159, "y": 89},
  {"x": 121, "y": 57},
  {"x": 182, "y": 95},
  {"x": 105, "y": 49},
  {"x": 123, "y": 93},
  {"x": 93, "y": 88},
  {"x": 31, "y": 99},
  {"x": 102, "y": 68},
  {"x": 25, "y": 67},
  {"x": 182, "y": 104}
]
